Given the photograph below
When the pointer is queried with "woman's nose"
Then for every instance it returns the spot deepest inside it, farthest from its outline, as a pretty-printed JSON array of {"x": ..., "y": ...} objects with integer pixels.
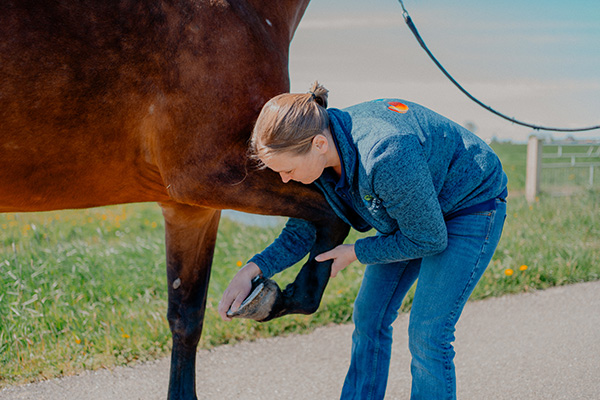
[{"x": 285, "y": 177}]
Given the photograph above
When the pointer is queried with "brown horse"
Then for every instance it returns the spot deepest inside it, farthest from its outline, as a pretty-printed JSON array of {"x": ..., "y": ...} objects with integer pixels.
[{"x": 115, "y": 101}]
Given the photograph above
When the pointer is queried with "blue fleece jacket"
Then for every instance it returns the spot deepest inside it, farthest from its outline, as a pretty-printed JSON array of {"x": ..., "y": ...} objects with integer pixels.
[{"x": 405, "y": 169}]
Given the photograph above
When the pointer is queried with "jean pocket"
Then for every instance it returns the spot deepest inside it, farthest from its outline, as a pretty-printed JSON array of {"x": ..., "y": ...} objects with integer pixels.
[
  {"x": 484, "y": 213},
  {"x": 477, "y": 225}
]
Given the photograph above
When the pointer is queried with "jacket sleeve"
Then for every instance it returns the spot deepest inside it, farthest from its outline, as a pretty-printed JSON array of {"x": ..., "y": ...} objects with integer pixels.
[
  {"x": 295, "y": 241},
  {"x": 402, "y": 181}
]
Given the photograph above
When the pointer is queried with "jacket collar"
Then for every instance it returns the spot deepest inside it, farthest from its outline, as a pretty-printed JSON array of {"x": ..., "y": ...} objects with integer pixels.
[{"x": 340, "y": 126}]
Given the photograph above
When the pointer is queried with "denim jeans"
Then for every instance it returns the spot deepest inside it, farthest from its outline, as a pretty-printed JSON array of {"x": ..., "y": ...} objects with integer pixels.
[{"x": 445, "y": 282}]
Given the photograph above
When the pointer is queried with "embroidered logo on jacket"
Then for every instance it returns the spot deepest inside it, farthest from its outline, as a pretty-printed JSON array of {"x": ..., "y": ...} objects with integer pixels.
[
  {"x": 373, "y": 204},
  {"x": 398, "y": 107}
]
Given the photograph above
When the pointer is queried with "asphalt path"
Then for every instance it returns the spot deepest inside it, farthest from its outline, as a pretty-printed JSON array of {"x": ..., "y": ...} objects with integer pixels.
[{"x": 539, "y": 345}]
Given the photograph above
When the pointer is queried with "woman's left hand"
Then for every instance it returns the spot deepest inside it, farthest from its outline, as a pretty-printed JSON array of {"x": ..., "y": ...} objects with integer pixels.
[{"x": 342, "y": 256}]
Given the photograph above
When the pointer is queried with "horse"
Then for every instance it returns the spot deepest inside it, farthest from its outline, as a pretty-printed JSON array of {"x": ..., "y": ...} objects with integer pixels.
[{"x": 107, "y": 102}]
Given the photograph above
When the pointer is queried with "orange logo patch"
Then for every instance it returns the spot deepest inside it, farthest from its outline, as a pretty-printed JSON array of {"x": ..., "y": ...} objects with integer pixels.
[{"x": 398, "y": 107}]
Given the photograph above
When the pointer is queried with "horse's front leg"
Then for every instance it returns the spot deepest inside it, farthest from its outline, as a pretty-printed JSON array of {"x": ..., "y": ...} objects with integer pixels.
[
  {"x": 303, "y": 296},
  {"x": 262, "y": 192},
  {"x": 190, "y": 239}
]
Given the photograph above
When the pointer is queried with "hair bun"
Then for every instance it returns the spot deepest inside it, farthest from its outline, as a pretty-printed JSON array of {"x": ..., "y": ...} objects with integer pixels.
[{"x": 319, "y": 94}]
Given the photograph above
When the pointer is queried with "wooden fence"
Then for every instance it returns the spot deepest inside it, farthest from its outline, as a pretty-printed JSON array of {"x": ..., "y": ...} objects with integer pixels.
[{"x": 578, "y": 161}]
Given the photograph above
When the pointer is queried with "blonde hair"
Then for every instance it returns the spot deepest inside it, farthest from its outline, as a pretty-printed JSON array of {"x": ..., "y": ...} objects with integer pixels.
[{"x": 289, "y": 122}]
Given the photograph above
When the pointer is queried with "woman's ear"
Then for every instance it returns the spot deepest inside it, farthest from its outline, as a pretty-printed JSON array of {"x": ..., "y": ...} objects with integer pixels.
[{"x": 321, "y": 143}]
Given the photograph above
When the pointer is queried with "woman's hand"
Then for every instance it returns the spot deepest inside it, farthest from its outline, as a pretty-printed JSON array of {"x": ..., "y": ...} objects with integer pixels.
[
  {"x": 342, "y": 256},
  {"x": 239, "y": 288}
]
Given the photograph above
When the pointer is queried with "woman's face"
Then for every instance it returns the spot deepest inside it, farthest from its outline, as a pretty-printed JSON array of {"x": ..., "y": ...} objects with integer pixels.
[{"x": 305, "y": 168}]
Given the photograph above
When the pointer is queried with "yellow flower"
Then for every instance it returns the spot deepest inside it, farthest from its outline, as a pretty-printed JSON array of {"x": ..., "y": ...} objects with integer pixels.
[
  {"x": 239, "y": 263},
  {"x": 508, "y": 272},
  {"x": 126, "y": 336},
  {"x": 523, "y": 267},
  {"x": 154, "y": 225}
]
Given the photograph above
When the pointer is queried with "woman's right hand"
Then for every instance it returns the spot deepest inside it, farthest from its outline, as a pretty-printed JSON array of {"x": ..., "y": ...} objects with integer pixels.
[{"x": 239, "y": 288}]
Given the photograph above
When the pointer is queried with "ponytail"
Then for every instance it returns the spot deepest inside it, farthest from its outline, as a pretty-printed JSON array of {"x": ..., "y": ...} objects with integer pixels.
[
  {"x": 319, "y": 94},
  {"x": 289, "y": 122}
]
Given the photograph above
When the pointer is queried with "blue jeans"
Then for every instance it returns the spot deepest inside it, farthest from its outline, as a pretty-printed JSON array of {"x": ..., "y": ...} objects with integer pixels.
[{"x": 446, "y": 280}]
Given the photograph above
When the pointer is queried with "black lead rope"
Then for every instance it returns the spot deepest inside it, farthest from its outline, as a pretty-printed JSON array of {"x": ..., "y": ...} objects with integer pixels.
[{"x": 413, "y": 29}]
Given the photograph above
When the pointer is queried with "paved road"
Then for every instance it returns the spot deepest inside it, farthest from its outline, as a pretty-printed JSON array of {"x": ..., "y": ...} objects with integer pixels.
[{"x": 541, "y": 345}]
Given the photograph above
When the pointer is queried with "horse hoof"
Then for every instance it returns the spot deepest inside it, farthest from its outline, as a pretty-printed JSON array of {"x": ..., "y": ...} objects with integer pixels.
[{"x": 260, "y": 301}]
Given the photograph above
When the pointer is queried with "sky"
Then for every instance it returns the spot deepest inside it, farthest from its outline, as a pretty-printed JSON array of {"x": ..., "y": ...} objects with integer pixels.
[{"x": 537, "y": 61}]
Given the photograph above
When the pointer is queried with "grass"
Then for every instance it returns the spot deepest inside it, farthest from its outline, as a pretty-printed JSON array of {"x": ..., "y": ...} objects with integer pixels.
[
  {"x": 86, "y": 289},
  {"x": 514, "y": 162}
]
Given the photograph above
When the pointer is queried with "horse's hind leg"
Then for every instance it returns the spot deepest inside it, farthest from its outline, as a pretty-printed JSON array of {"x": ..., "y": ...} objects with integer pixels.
[{"x": 190, "y": 239}]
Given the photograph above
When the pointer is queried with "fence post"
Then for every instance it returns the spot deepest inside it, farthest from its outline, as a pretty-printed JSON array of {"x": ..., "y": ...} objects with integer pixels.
[{"x": 534, "y": 167}]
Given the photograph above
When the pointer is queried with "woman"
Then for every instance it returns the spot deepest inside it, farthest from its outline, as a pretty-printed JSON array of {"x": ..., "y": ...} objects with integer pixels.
[{"x": 434, "y": 192}]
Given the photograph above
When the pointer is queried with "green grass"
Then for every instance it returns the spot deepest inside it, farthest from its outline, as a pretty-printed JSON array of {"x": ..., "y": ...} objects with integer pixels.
[
  {"x": 86, "y": 289},
  {"x": 514, "y": 160}
]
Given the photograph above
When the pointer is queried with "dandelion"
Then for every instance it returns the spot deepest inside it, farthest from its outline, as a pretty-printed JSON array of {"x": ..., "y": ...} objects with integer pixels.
[
  {"x": 26, "y": 228},
  {"x": 154, "y": 225},
  {"x": 124, "y": 335},
  {"x": 508, "y": 272},
  {"x": 523, "y": 267},
  {"x": 239, "y": 263}
]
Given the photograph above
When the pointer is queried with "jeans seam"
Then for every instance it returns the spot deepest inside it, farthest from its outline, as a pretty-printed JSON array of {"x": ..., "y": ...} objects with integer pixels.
[
  {"x": 378, "y": 342},
  {"x": 460, "y": 300},
  {"x": 491, "y": 217}
]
